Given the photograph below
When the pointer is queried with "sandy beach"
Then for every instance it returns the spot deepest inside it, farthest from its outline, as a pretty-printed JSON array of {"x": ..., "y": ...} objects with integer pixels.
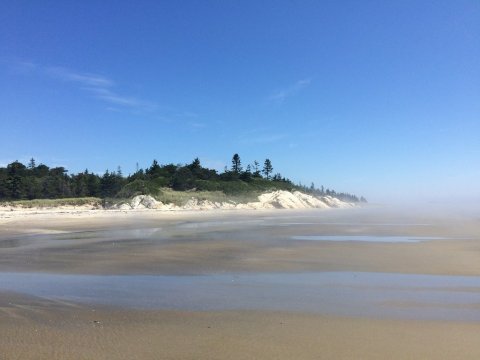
[
  {"x": 39, "y": 329},
  {"x": 232, "y": 242},
  {"x": 113, "y": 242}
]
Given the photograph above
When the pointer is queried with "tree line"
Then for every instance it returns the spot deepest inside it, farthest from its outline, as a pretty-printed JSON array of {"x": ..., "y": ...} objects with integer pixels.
[
  {"x": 330, "y": 192},
  {"x": 32, "y": 181}
]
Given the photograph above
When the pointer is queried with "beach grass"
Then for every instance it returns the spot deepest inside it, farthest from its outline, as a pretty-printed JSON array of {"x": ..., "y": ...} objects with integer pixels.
[
  {"x": 180, "y": 198},
  {"x": 51, "y": 203}
]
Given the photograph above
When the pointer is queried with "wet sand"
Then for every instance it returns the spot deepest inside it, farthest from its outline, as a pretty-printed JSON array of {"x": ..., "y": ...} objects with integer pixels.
[
  {"x": 258, "y": 241},
  {"x": 193, "y": 243},
  {"x": 38, "y": 329}
]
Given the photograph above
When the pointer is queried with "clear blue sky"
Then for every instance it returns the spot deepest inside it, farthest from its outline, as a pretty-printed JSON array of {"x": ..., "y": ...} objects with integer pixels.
[{"x": 378, "y": 98}]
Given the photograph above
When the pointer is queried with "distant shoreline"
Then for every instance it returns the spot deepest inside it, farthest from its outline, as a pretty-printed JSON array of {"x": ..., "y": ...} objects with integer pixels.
[{"x": 277, "y": 200}]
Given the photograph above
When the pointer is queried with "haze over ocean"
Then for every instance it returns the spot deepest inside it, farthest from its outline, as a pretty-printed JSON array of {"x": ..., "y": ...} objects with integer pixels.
[{"x": 376, "y": 98}]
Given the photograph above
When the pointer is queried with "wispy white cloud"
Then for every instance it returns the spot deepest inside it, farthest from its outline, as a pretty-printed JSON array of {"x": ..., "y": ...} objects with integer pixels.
[
  {"x": 86, "y": 79},
  {"x": 99, "y": 86},
  {"x": 112, "y": 97},
  {"x": 19, "y": 67},
  {"x": 282, "y": 94},
  {"x": 106, "y": 90}
]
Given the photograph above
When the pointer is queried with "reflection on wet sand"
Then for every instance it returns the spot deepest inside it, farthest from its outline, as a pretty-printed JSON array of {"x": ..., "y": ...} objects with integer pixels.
[
  {"x": 256, "y": 284},
  {"x": 377, "y": 295}
]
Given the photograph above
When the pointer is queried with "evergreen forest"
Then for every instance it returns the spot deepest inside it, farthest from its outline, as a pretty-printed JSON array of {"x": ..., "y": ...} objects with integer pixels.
[{"x": 31, "y": 181}]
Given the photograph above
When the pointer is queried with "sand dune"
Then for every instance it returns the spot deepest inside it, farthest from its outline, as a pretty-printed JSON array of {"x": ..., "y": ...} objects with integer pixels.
[
  {"x": 279, "y": 199},
  {"x": 273, "y": 200}
]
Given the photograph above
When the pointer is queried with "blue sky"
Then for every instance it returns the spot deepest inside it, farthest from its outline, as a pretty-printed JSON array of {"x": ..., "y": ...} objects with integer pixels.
[{"x": 377, "y": 98}]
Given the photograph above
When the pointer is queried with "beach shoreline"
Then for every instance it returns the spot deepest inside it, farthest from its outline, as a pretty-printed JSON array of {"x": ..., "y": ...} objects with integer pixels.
[
  {"x": 235, "y": 241},
  {"x": 144, "y": 242}
]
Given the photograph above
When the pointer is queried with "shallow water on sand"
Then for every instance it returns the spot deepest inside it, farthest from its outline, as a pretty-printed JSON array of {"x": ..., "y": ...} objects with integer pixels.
[
  {"x": 379, "y": 295},
  {"x": 367, "y": 238},
  {"x": 258, "y": 262}
]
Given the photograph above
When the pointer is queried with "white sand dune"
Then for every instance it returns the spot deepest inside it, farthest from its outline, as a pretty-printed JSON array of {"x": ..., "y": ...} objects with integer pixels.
[{"x": 273, "y": 200}]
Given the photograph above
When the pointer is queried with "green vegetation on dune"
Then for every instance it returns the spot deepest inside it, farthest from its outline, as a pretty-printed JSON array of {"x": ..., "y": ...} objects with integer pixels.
[
  {"x": 168, "y": 183},
  {"x": 47, "y": 203},
  {"x": 180, "y": 198}
]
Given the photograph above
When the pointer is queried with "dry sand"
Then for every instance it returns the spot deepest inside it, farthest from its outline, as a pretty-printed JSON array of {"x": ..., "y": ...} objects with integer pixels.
[{"x": 34, "y": 328}]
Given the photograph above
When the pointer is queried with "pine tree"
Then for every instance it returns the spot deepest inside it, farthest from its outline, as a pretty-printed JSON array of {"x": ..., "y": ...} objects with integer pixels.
[
  {"x": 154, "y": 169},
  {"x": 195, "y": 164},
  {"x": 247, "y": 174},
  {"x": 267, "y": 168},
  {"x": 31, "y": 164},
  {"x": 236, "y": 164},
  {"x": 256, "y": 169}
]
